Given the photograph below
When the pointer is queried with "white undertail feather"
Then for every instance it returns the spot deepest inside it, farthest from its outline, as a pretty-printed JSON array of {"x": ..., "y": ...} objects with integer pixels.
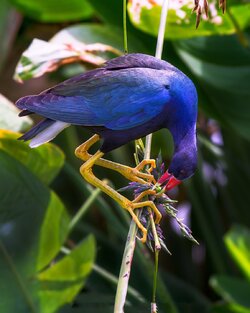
[{"x": 48, "y": 134}]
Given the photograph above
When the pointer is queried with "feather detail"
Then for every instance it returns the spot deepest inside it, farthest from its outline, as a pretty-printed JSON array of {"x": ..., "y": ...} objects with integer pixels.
[
  {"x": 38, "y": 128},
  {"x": 48, "y": 134}
]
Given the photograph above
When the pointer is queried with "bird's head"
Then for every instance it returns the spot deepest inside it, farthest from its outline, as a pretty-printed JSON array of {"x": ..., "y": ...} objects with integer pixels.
[{"x": 182, "y": 166}]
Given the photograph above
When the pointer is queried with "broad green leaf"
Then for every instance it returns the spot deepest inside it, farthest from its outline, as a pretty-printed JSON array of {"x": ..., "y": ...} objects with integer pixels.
[
  {"x": 232, "y": 290},
  {"x": 229, "y": 308},
  {"x": 181, "y": 22},
  {"x": 9, "y": 116},
  {"x": 45, "y": 161},
  {"x": 53, "y": 231},
  {"x": 25, "y": 234},
  {"x": 33, "y": 227},
  {"x": 62, "y": 282},
  {"x": 237, "y": 241},
  {"x": 222, "y": 68},
  {"x": 54, "y": 11}
]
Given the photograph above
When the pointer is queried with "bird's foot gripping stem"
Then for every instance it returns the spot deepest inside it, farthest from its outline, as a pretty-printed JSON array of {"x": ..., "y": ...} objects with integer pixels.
[
  {"x": 137, "y": 205},
  {"x": 150, "y": 204},
  {"x": 130, "y": 206},
  {"x": 133, "y": 174}
]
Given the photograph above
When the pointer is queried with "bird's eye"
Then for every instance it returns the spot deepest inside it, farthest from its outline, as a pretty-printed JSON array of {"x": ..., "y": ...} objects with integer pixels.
[{"x": 167, "y": 87}]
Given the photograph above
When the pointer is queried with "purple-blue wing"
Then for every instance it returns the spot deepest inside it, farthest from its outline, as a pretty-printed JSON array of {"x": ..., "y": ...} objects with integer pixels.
[
  {"x": 119, "y": 99},
  {"x": 58, "y": 108},
  {"x": 135, "y": 60}
]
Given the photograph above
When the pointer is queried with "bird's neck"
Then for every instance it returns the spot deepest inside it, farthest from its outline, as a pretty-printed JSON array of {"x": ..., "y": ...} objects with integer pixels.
[
  {"x": 184, "y": 137},
  {"x": 182, "y": 124}
]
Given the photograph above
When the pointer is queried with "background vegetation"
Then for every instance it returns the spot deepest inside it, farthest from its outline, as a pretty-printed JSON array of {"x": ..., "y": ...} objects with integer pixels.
[{"x": 53, "y": 261}]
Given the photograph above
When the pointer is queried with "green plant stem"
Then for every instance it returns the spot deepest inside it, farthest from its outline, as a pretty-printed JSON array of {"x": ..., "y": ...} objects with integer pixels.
[
  {"x": 148, "y": 146},
  {"x": 157, "y": 251},
  {"x": 156, "y": 238},
  {"x": 84, "y": 208},
  {"x": 153, "y": 304},
  {"x": 146, "y": 265},
  {"x": 158, "y": 54},
  {"x": 125, "y": 35},
  {"x": 161, "y": 31},
  {"x": 155, "y": 275},
  {"x": 125, "y": 268}
]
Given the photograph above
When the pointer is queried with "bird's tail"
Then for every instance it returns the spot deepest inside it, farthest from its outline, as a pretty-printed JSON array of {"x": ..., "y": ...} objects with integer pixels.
[{"x": 43, "y": 132}]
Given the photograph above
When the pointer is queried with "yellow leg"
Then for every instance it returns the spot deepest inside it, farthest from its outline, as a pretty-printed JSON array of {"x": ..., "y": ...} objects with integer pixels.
[
  {"x": 144, "y": 194},
  {"x": 150, "y": 204},
  {"x": 146, "y": 162},
  {"x": 86, "y": 171},
  {"x": 132, "y": 174}
]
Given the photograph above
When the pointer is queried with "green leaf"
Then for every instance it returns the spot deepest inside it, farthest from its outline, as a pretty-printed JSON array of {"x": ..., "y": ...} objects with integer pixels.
[
  {"x": 54, "y": 11},
  {"x": 228, "y": 308},
  {"x": 62, "y": 282},
  {"x": 25, "y": 234},
  {"x": 53, "y": 232},
  {"x": 181, "y": 22},
  {"x": 9, "y": 116},
  {"x": 233, "y": 290},
  {"x": 222, "y": 68},
  {"x": 237, "y": 241},
  {"x": 27, "y": 247},
  {"x": 45, "y": 161}
]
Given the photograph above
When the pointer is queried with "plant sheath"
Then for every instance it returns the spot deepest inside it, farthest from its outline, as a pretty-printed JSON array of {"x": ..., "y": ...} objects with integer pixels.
[{"x": 125, "y": 35}]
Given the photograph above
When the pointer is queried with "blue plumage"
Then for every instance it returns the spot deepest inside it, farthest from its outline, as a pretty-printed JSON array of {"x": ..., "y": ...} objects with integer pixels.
[
  {"x": 128, "y": 98},
  {"x": 117, "y": 100}
]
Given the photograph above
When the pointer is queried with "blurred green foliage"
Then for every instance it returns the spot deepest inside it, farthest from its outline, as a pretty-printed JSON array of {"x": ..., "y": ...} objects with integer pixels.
[
  {"x": 51, "y": 11},
  {"x": 233, "y": 290},
  {"x": 46, "y": 264},
  {"x": 180, "y": 21}
]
